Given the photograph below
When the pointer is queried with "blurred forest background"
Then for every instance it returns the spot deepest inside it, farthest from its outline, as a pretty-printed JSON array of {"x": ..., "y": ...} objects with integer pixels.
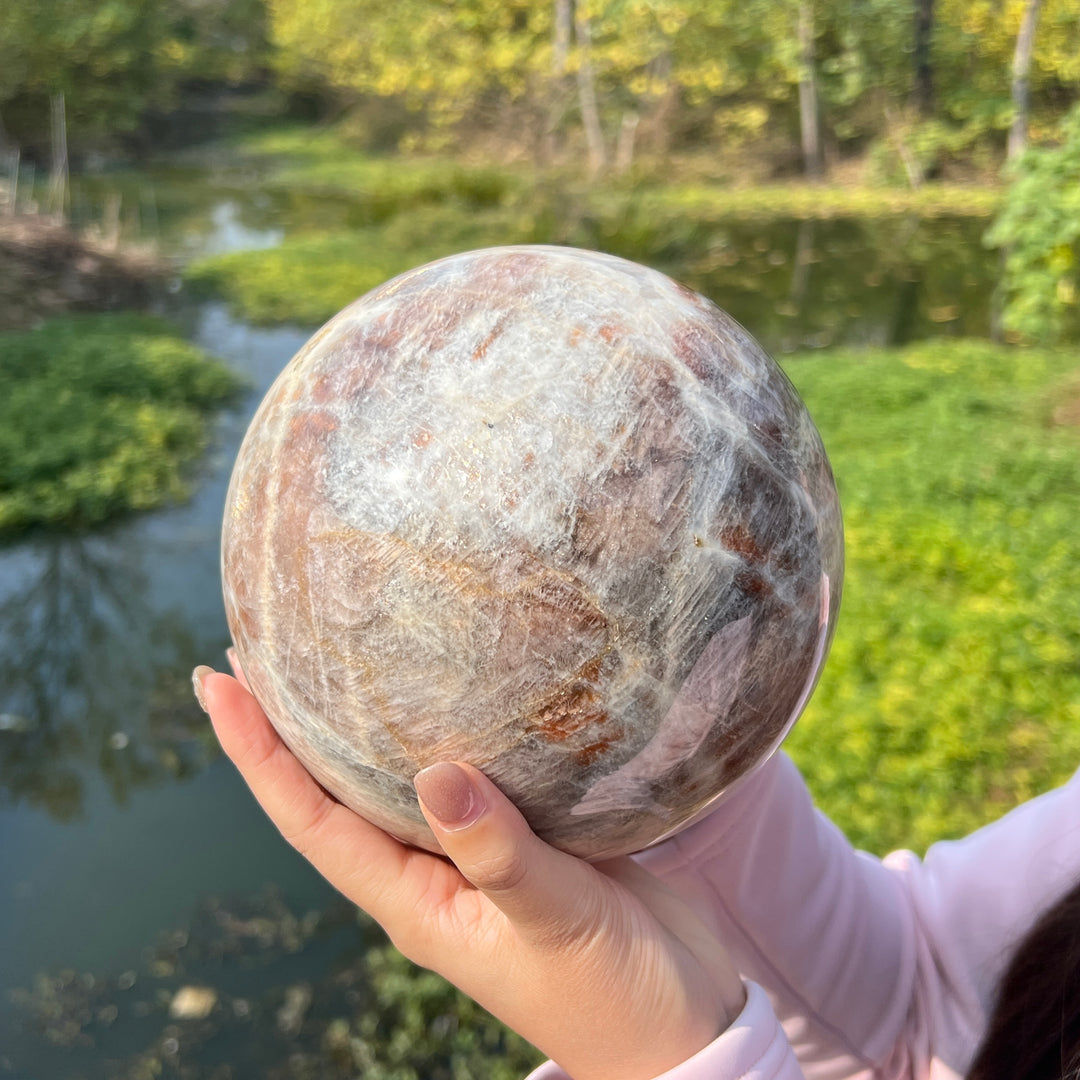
[
  {"x": 885, "y": 192},
  {"x": 921, "y": 89}
]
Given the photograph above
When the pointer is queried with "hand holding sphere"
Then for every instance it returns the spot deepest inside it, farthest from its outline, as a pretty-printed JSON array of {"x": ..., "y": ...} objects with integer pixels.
[{"x": 535, "y": 523}]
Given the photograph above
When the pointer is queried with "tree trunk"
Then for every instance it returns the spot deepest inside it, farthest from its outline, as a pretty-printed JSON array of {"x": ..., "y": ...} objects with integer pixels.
[
  {"x": 560, "y": 91},
  {"x": 590, "y": 113},
  {"x": 808, "y": 98},
  {"x": 564, "y": 18},
  {"x": 924, "y": 70},
  {"x": 1025, "y": 43},
  {"x": 59, "y": 178},
  {"x": 660, "y": 121},
  {"x": 13, "y": 183},
  {"x": 624, "y": 148}
]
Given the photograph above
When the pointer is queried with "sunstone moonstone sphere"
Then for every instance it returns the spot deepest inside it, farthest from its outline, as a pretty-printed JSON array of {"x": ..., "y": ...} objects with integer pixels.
[{"x": 544, "y": 511}]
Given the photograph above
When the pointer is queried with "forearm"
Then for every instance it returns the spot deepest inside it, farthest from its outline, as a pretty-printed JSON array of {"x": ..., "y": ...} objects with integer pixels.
[{"x": 822, "y": 928}]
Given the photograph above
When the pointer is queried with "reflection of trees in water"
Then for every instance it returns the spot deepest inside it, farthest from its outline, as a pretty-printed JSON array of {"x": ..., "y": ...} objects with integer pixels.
[
  {"x": 90, "y": 676},
  {"x": 801, "y": 284}
]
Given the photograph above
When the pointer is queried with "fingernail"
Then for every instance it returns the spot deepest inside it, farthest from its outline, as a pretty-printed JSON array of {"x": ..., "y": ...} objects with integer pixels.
[
  {"x": 233, "y": 658},
  {"x": 197, "y": 677},
  {"x": 448, "y": 792}
]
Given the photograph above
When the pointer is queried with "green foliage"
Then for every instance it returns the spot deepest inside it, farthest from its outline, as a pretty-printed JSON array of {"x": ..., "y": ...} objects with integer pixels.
[
  {"x": 437, "y": 57},
  {"x": 321, "y": 163},
  {"x": 101, "y": 57},
  {"x": 100, "y": 415},
  {"x": 910, "y": 149},
  {"x": 723, "y": 74},
  {"x": 114, "y": 60},
  {"x": 1039, "y": 229},
  {"x": 809, "y": 203},
  {"x": 416, "y": 1026},
  {"x": 953, "y": 688},
  {"x": 974, "y": 41},
  {"x": 734, "y": 67}
]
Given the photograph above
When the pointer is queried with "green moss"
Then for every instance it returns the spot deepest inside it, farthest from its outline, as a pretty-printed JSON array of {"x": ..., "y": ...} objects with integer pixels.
[
  {"x": 101, "y": 415},
  {"x": 953, "y": 688}
]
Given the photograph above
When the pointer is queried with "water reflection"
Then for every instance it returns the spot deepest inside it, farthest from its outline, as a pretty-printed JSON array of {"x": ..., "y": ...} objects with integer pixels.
[
  {"x": 98, "y": 632},
  {"x": 794, "y": 283},
  {"x": 111, "y": 788},
  {"x": 226, "y": 228},
  {"x": 816, "y": 284},
  {"x": 88, "y": 676}
]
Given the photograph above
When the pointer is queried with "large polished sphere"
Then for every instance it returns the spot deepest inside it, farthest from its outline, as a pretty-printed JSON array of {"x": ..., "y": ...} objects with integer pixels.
[{"x": 544, "y": 511}]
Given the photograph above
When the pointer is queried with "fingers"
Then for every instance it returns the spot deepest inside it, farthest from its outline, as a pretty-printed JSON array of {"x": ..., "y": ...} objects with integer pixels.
[
  {"x": 545, "y": 893},
  {"x": 234, "y": 663},
  {"x": 353, "y": 855}
]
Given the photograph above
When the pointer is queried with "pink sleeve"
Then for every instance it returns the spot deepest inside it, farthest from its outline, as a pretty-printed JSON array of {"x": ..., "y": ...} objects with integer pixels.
[
  {"x": 869, "y": 968},
  {"x": 753, "y": 1048},
  {"x": 873, "y": 968}
]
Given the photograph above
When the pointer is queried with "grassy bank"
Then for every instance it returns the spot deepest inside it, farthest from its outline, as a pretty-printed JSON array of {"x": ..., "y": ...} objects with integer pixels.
[
  {"x": 301, "y": 159},
  {"x": 369, "y": 218},
  {"x": 102, "y": 414},
  {"x": 953, "y": 688}
]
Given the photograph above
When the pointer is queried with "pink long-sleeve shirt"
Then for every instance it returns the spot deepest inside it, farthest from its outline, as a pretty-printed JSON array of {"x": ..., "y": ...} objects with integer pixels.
[{"x": 855, "y": 967}]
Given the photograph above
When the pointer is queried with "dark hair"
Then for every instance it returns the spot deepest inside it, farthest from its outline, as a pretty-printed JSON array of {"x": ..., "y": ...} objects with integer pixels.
[{"x": 1034, "y": 1029}]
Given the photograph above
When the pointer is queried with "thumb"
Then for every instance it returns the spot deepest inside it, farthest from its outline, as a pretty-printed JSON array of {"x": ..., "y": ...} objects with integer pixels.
[{"x": 544, "y": 892}]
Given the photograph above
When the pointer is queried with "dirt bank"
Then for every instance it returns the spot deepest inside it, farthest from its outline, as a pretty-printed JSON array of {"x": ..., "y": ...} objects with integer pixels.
[{"x": 46, "y": 268}]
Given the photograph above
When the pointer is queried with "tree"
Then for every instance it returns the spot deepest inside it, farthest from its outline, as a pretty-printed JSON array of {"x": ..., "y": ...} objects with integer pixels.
[
  {"x": 1038, "y": 229},
  {"x": 924, "y": 70},
  {"x": 815, "y": 75},
  {"x": 1025, "y": 42},
  {"x": 590, "y": 113},
  {"x": 808, "y": 95},
  {"x": 440, "y": 58},
  {"x": 976, "y": 43},
  {"x": 111, "y": 62}
]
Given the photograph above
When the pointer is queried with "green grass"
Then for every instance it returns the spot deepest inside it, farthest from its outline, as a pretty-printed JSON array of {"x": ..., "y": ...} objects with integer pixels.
[
  {"x": 321, "y": 160},
  {"x": 952, "y": 692},
  {"x": 100, "y": 415},
  {"x": 805, "y": 202}
]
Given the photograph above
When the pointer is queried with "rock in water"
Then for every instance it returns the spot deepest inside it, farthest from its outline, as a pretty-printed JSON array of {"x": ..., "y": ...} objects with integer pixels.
[{"x": 545, "y": 511}]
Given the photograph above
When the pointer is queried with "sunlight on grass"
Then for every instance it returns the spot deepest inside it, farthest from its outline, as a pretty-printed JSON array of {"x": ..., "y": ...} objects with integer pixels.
[
  {"x": 104, "y": 414},
  {"x": 953, "y": 689}
]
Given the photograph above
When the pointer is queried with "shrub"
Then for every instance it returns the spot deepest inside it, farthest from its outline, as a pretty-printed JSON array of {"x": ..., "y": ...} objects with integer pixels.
[
  {"x": 100, "y": 415},
  {"x": 1038, "y": 229}
]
